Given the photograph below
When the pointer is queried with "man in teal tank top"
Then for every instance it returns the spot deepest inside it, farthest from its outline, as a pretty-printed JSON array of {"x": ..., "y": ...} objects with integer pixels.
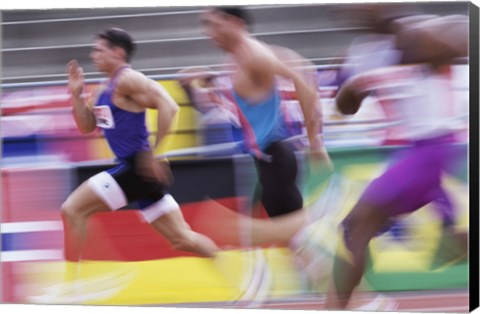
[{"x": 255, "y": 93}]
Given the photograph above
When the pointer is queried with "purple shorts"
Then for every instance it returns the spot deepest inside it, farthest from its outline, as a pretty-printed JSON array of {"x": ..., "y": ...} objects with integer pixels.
[{"x": 415, "y": 179}]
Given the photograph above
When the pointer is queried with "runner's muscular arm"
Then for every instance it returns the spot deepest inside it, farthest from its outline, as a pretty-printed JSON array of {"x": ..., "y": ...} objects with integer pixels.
[
  {"x": 351, "y": 94},
  {"x": 270, "y": 62},
  {"x": 288, "y": 65},
  {"x": 82, "y": 112},
  {"x": 257, "y": 62},
  {"x": 146, "y": 93},
  {"x": 197, "y": 84},
  {"x": 149, "y": 94},
  {"x": 437, "y": 39}
]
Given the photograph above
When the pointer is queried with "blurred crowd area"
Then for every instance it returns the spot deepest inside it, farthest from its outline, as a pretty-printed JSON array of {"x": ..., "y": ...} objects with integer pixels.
[
  {"x": 36, "y": 113},
  {"x": 37, "y": 121},
  {"x": 44, "y": 156}
]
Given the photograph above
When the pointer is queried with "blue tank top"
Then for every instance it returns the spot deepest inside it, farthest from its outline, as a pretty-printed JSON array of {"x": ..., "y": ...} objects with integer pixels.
[
  {"x": 125, "y": 131},
  {"x": 265, "y": 118}
]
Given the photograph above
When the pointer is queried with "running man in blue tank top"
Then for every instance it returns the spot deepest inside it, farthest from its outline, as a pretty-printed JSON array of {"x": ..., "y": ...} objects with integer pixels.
[{"x": 119, "y": 110}]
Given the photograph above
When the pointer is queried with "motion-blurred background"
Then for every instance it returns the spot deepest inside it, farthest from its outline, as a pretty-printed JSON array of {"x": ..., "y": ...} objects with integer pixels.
[{"x": 44, "y": 157}]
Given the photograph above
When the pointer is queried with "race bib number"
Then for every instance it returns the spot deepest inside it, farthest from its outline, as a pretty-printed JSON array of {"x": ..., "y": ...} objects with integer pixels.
[{"x": 104, "y": 117}]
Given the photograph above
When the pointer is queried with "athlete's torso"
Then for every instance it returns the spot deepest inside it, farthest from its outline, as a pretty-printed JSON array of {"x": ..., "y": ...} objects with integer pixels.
[
  {"x": 265, "y": 118},
  {"x": 248, "y": 81},
  {"x": 422, "y": 99},
  {"x": 125, "y": 131}
]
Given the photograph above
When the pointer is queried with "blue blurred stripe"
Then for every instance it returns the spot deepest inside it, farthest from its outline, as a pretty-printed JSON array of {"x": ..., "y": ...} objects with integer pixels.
[{"x": 29, "y": 240}]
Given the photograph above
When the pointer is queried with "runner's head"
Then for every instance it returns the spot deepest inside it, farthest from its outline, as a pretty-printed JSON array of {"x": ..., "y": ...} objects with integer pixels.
[
  {"x": 111, "y": 47},
  {"x": 225, "y": 25}
]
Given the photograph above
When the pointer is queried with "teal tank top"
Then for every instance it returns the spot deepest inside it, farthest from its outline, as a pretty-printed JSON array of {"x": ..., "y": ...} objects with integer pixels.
[{"x": 265, "y": 118}]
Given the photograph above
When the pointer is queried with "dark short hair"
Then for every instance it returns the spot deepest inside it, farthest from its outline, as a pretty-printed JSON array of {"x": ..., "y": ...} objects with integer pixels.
[
  {"x": 236, "y": 11},
  {"x": 118, "y": 37}
]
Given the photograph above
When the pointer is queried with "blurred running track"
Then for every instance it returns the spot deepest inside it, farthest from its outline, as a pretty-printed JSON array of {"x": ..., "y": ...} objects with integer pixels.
[{"x": 453, "y": 301}]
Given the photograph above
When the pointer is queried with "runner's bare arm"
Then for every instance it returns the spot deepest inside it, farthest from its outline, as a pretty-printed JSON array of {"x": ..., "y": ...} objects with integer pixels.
[
  {"x": 82, "y": 112},
  {"x": 291, "y": 65},
  {"x": 351, "y": 94},
  {"x": 195, "y": 76},
  {"x": 149, "y": 94},
  {"x": 197, "y": 84},
  {"x": 437, "y": 40}
]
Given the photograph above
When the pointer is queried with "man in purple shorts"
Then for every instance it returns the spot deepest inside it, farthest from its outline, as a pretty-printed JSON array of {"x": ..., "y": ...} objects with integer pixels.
[{"x": 422, "y": 94}]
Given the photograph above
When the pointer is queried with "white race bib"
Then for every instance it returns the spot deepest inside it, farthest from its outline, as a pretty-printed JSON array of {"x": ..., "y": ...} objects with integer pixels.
[{"x": 104, "y": 117}]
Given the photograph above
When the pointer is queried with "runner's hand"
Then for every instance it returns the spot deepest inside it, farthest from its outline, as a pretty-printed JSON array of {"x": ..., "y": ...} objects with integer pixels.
[
  {"x": 153, "y": 170},
  {"x": 195, "y": 73},
  {"x": 75, "y": 78},
  {"x": 319, "y": 156}
]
